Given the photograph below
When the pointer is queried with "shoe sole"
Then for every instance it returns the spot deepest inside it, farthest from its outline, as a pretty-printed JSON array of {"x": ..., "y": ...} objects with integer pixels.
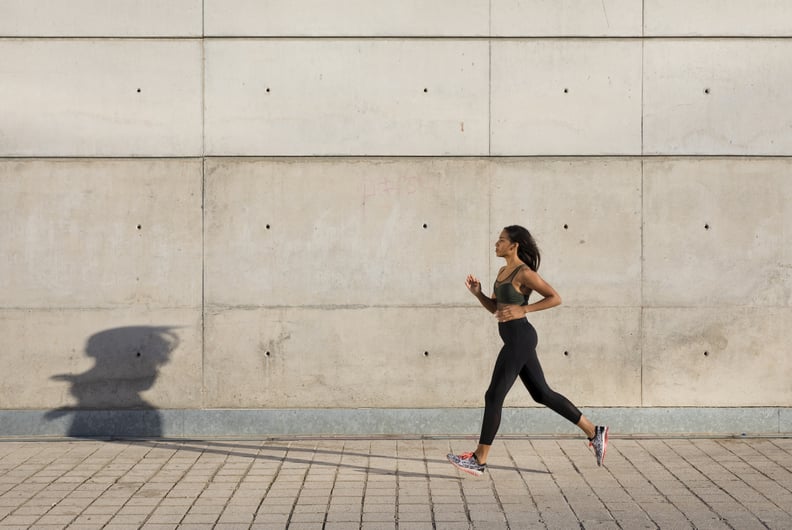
[
  {"x": 604, "y": 446},
  {"x": 466, "y": 470}
]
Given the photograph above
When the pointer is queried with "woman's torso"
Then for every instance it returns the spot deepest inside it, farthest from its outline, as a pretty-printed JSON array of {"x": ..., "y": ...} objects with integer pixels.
[{"x": 506, "y": 293}]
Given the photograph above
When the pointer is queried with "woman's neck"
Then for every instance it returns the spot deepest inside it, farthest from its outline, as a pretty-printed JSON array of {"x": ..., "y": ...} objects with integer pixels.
[{"x": 512, "y": 261}]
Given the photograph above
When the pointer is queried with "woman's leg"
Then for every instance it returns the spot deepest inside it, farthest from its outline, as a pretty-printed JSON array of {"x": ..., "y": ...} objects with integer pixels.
[
  {"x": 505, "y": 372},
  {"x": 533, "y": 378}
]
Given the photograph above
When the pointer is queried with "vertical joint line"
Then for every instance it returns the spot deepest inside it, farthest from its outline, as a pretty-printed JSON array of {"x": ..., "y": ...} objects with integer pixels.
[
  {"x": 643, "y": 203},
  {"x": 203, "y": 203},
  {"x": 642, "y": 300},
  {"x": 489, "y": 92}
]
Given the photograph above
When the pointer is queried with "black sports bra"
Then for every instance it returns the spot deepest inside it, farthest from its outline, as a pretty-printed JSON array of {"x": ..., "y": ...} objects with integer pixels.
[{"x": 505, "y": 293}]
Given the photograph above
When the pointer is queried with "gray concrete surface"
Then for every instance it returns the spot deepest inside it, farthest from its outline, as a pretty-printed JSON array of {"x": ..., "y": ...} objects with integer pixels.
[
  {"x": 198, "y": 423},
  {"x": 305, "y": 283},
  {"x": 377, "y": 483}
]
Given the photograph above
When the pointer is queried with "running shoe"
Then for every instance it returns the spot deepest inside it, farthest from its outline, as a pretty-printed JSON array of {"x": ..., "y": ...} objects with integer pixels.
[
  {"x": 599, "y": 443},
  {"x": 468, "y": 463}
]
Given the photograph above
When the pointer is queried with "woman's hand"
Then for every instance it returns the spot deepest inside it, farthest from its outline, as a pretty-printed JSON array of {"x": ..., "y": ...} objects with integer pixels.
[
  {"x": 510, "y": 312},
  {"x": 473, "y": 285}
]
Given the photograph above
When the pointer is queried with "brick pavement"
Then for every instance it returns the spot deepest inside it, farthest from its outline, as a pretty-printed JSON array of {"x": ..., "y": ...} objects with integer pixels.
[{"x": 387, "y": 483}]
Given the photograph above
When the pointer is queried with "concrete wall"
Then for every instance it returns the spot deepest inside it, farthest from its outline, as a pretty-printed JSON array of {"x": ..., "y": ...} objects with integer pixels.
[{"x": 271, "y": 207}]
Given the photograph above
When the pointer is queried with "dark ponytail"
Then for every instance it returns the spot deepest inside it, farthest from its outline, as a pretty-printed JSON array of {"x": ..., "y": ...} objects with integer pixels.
[{"x": 527, "y": 250}]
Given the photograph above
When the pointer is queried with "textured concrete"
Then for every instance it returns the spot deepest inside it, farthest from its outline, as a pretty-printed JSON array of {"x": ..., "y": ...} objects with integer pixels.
[
  {"x": 347, "y": 358},
  {"x": 716, "y": 18},
  {"x": 139, "y": 357},
  {"x": 553, "y": 97},
  {"x": 572, "y": 18},
  {"x": 99, "y": 18},
  {"x": 705, "y": 244},
  {"x": 717, "y": 97},
  {"x": 395, "y": 483},
  {"x": 100, "y": 233},
  {"x": 363, "y": 18},
  {"x": 785, "y": 421},
  {"x": 100, "y": 97},
  {"x": 159, "y": 238},
  {"x": 372, "y": 240},
  {"x": 421, "y": 357},
  {"x": 517, "y": 421},
  {"x": 306, "y": 97},
  {"x": 586, "y": 216},
  {"x": 716, "y": 356}
]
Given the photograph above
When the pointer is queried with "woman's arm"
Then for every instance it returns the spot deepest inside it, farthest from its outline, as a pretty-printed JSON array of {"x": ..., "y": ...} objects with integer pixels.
[
  {"x": 529, "y": 280},
  {"x": 474, "y": 286}
]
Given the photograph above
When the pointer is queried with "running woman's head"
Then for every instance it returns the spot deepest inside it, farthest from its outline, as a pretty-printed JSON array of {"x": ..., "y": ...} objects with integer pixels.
[{"x": 527, "y": 250}]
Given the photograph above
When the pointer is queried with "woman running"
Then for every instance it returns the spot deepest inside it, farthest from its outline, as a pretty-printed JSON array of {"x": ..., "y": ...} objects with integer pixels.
[{"x": 509, "y": 303}]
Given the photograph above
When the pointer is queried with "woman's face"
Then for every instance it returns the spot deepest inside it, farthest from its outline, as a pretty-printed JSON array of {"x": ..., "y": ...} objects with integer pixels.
[{"x": 503, "y": 246}]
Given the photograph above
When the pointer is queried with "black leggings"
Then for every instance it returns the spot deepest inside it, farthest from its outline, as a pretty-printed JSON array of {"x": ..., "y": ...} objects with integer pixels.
[{"x": 518, "y": 357}]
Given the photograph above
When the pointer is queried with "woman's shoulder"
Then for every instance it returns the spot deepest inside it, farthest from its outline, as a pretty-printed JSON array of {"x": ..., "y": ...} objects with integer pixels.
[{"x": 526, "y": 272}]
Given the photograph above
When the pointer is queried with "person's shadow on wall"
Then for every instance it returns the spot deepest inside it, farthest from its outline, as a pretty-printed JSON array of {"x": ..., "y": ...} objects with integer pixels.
[{"x": 109, "y": 401}]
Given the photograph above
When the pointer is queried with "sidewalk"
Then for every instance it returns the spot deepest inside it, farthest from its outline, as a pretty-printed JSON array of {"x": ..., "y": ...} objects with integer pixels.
[{"x": 377, "y": 483}]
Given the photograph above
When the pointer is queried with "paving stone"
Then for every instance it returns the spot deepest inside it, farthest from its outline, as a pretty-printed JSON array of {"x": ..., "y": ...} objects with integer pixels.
[{"x": 553, "y": 483}]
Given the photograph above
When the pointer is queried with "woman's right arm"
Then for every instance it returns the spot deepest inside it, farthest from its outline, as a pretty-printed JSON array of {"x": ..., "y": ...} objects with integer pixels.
[{"x": 474, "y": 286}]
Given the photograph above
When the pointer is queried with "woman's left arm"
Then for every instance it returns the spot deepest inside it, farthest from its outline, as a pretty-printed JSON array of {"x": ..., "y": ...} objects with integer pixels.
[{"x": 530, "y": 280}]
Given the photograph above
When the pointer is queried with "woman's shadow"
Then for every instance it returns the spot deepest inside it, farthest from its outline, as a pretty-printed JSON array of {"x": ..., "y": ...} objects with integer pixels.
[{"x": 109, "y": 401}]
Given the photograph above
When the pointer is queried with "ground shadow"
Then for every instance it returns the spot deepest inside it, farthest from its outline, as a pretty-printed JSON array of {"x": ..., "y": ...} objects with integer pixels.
[
  {"x": 253, "y": 451},
  {"x": 127, "y": 361}
]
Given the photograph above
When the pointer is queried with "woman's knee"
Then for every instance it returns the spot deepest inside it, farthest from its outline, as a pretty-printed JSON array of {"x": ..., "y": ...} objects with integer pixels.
[
  {"x": 543, "y": 396},
  {"x": 494, "y": 396}
]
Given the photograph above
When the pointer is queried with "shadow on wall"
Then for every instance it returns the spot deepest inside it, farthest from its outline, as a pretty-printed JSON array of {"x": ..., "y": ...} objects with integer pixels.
[{"x": 109, "y": 401}]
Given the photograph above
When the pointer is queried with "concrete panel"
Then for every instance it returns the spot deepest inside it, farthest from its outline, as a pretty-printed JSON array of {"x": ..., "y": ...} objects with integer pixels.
[
  {"x": 586, "y": 217},
  {"x": 346, "y": 97},
  {"x": 691, "y": 420},
  {"x": 716, "y": 232},
  {"x": 566, "y": 97},
  {"x": 717, "y": 97},
  {"x": 785, "y": 421},
  {"x": 406, "y": 18},
  {"x": 348, "y": 358},
  {"x": 100, "y": 359},
  {"x": 717, "y": 17},
  {"x": 148, "y": 423},
  {"x": 100, "y": 18},
  {"x": 552, "y": 18},
  {"x": 100, "y": 98},
  {"x": 530, "y": 422},
  {"x": 340, "y": 232},
  {"x": 376, "y": 357},
  {"x": 590, "y": 355},
  {"x": 100, "y": 233},
  {"x": 717, "y": 357}
]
